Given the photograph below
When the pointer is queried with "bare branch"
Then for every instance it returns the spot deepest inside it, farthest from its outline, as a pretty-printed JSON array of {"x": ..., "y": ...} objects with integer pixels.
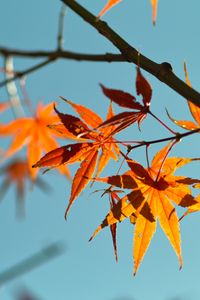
[
  {"x": 61, "y": 27},
  {"x": 177, "y": 137},
  {"x": 26, "y": 72},
  {"x": 161, "y": 71},
  {"x": 56, "y": 54}
]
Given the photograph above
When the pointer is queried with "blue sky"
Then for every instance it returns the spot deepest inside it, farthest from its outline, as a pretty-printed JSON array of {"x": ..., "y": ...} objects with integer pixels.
[{"x": 88, "y": 270}]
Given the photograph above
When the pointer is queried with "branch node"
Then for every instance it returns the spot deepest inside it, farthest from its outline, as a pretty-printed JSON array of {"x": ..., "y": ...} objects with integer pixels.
[{"x": 164, "y": 70}]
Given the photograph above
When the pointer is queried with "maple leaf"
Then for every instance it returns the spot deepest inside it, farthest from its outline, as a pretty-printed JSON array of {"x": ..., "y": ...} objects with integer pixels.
[
  {"x": 16, "y": 173},
  {"x": 34, "y": 133},
  {"x": 194, "y": 110},
  {"x": 154, "y": 190},
  {"x": 196, "y": 206},
  {"x": 113, "y": 199},
  {"x": 123, "y": 99},
  {"x": 86, "y": 150},
  {"x": 111, "y": 3},
  {"x": 154, "y": 4}
]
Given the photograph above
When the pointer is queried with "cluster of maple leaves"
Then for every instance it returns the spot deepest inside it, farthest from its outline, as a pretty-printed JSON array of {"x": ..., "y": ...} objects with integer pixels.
[{"x": 154, "y": 190}]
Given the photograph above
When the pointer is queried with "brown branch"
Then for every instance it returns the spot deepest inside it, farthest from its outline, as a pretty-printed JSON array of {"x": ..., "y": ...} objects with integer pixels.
[
  {"x": 56, "y": 54},
  {"x": 161, "y": 71},
  {"x": 26, "y": 72},
  {"x": 52, "y": 56},
  {"x": 177, "y": 137}
]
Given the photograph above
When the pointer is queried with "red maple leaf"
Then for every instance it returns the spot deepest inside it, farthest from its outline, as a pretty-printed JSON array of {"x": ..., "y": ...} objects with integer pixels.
[{"x": 123, "y": 99}]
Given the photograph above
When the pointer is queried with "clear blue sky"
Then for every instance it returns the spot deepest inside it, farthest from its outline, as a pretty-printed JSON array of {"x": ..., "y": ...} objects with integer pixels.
[{"x": 88, "y": 271}]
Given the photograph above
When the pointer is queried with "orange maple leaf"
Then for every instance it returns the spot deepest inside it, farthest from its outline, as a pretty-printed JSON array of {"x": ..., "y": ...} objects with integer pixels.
[
  {"x": 16, "y": 173},
  {"x": 154, "y": 189},
  {"x": 86, "y": 150},
  {"x": 111, "y": 3},
  {"x": 34, "y": 133},
  {"x": 113, "y": 199},
  {"x": 154, "y": 4},
  {"x": 194, "y": 110},
  {"x": 195, "y": 207}
]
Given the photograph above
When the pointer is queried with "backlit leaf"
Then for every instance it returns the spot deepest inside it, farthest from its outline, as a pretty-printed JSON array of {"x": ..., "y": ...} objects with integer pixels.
[
  {"x": 154, "y": 4},
  {"x": 195, "y": 111},
  {"x": 34, "y": 133},
  {"x": 81, "y": 180},
  {"x": 108, "y": 6},
  {"x": 121, "y": 98},
  {"x": 154, "y": 190},
  {"x": 143, "y": 88}
]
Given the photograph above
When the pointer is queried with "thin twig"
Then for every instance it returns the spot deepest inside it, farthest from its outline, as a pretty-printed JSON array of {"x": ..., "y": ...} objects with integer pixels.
[
  {"x": 161, "y": 71},
  {"x": 26, "y": 72},
  {"x": 107, "y": 57},
  {"x": 32, "y": 262},
  {"x": 60, "y": 38},
  {"x": 177, "y": 137}
]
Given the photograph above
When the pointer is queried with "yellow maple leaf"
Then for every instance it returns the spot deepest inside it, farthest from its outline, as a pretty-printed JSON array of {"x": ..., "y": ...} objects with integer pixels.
[{"x": 154, "y": 190}]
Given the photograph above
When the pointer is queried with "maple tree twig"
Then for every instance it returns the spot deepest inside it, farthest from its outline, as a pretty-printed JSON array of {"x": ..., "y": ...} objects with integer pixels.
[
  {"x": 63, "y": 54},
  {"x": 26, "y": 72},
  {"x": 60, "y": 37},
  {"x": 52, "y": 56},
  {"x": 177, "y": 137},
  {"x": 161, "y": 71}
]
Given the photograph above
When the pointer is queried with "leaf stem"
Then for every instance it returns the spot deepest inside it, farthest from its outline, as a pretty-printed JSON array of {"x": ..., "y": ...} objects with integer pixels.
[
  {"x": 164, "y": 158},
  {"x": 161, "y": 122},
  {"x": 177, "y": 137}
]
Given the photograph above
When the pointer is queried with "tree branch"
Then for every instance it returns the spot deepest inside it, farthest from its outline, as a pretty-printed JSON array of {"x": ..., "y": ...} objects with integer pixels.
[
  {"x": 161, "y": 71},
  {"x": 177, "y": 137},
  {"x": 26, "y": 72},
  {"x": 56, "y": 54},
  {"x": 60, "y": 38}
]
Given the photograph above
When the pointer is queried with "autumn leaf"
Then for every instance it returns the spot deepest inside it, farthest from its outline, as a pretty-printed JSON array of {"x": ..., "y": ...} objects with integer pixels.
[
  {"x": 123, "y": 99},
  {"x": 195, "y": 207},
  {"x": 16, "y": 173},
  {"x": 113, "y": 199},
  {"x": 34, "y": 133},
  {"x": 154, "y": 4},
  {"x": 154, "y": 191},
  {"x": 194, "y": 110},
  {"x": 94, "y": 149},
  {"x": 111, "y": 3}
]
